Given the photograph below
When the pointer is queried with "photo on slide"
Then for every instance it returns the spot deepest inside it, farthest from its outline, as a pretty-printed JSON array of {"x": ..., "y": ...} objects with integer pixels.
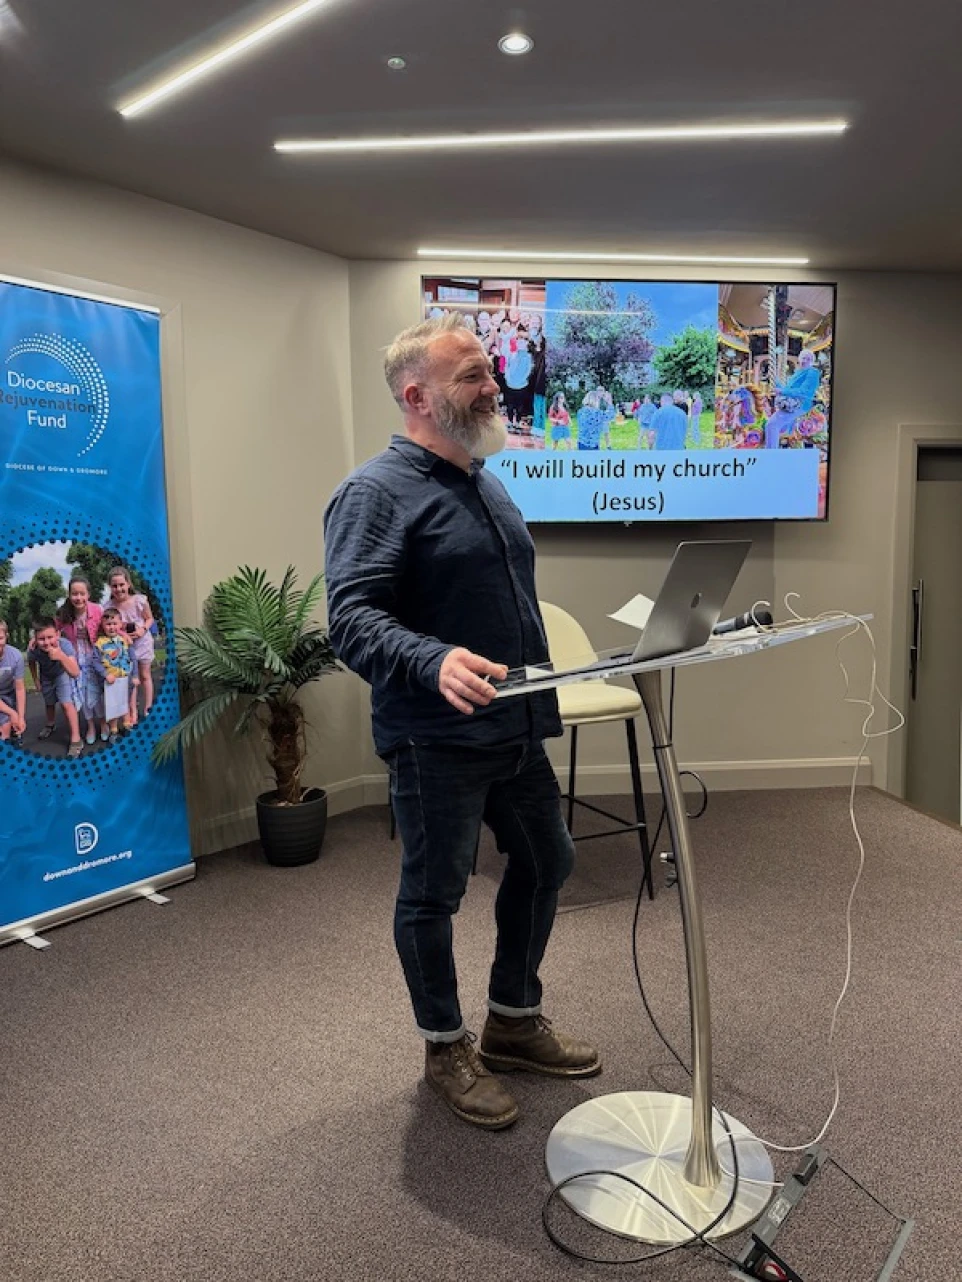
[
  {"x": 76, "y": 626},
  {"x": 508, "y": 318},
  {"x": 774, "y": 383},
  {"x": 631, "y": 365}
]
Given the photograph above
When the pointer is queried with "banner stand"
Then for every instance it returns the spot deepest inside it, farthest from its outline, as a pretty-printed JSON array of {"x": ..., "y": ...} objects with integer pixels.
[
  {"x": 86, "y": 820},
  {"x": 29, "y": 930}
]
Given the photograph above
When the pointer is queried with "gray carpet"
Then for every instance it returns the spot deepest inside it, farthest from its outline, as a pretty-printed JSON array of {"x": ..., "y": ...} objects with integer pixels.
[{"x": 228, "y": 1088}]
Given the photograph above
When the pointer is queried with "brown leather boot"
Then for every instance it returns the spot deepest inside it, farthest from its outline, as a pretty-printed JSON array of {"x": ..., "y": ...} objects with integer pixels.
[
  {"x": 531, "y": 1043},
  {"x": 454, "y": 1070}
]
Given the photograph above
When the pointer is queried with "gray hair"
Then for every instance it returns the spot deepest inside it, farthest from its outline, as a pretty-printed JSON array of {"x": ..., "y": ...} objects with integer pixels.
[{"x": 408, "y": 356}]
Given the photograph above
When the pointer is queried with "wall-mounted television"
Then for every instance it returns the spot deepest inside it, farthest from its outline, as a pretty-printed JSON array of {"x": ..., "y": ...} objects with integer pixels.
[{"x": 656, "y": 400}]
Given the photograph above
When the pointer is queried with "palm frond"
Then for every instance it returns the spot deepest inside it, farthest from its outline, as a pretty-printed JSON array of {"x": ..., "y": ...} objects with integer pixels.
[
  {"x": 311, "y": 644},
  {"x": 267, "y": 656},
  {"x": 311, "y": 662},
  {"x": 310, "y": 599},
  {"x": 201, "y": 655},
  {"x": 200, "y": 720},
  {"x": 249, "y": 714}
]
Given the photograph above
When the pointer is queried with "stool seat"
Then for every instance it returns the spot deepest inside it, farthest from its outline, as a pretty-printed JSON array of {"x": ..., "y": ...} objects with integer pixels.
[{"x": 596, "y": 701}]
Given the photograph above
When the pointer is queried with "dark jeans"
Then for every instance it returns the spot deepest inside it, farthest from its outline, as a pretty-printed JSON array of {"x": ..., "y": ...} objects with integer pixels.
[{"x": 441, "y": 795}]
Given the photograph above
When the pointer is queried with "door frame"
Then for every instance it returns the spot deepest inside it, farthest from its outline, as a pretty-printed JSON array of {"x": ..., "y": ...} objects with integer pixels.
[{"x": 911, "y": 438}]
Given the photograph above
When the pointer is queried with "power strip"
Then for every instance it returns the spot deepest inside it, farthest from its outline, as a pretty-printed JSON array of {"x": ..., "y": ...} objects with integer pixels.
[{"x": 760, "y": 1262}]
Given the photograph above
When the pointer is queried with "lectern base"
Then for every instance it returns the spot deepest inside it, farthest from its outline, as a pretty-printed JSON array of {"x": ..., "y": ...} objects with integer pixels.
[{"x": 644, "y": 1135}]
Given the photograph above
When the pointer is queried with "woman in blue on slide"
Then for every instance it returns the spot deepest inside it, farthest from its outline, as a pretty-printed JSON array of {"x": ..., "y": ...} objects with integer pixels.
[
  {"x": 793, "y": 399},
  {"x": 594, "y": 418}
]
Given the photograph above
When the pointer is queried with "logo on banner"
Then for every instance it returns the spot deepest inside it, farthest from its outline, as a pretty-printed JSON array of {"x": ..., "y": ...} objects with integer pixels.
[
  {"x": 47, "y": 398},
  {"x": 86, "y": 837}
]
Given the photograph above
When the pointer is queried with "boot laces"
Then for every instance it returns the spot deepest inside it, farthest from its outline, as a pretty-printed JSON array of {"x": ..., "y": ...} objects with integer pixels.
[{"x": 464, "y": 1058}]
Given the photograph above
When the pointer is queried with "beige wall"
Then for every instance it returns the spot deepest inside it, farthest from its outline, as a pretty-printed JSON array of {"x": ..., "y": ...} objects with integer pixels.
[
  {"x": 257, "y": 410},
  {"x": 897, "y": 360}
]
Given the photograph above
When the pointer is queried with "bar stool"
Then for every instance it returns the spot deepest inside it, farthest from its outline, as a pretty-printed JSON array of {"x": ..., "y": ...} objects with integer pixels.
[{"x": 594, "y": 703}]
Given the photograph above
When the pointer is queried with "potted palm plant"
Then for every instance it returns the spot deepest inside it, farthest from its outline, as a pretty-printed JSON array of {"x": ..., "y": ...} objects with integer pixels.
[{"x": 257, "y": 649}]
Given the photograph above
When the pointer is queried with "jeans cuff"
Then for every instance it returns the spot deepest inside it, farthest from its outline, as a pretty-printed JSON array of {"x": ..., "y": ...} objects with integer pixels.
[
  {"x": 441, "y": 1037},
  {"x": 513, "y": 1012}
]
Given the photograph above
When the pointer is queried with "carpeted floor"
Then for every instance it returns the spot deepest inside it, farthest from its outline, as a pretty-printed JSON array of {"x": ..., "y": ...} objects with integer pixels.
[{"x": 227, "y": 1089}]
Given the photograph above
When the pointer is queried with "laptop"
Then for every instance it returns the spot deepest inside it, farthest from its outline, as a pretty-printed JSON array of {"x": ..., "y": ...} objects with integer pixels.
[{"x": 686, "y": 610}]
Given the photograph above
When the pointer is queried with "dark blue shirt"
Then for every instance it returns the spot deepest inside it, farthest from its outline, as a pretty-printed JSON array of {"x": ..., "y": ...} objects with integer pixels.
[{"x": 421, "y": 557}]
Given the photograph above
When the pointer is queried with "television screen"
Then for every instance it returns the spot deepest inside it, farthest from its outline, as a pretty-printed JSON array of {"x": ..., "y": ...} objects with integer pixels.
[{"x": 656, "y": 400}]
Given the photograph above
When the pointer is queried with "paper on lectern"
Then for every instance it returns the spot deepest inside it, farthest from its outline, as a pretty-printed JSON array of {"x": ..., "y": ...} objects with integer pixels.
[{"x": 635, "y": 612}]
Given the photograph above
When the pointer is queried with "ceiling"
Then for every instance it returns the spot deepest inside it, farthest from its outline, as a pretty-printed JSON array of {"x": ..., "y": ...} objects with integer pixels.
[{"x": 888, "y": 194}]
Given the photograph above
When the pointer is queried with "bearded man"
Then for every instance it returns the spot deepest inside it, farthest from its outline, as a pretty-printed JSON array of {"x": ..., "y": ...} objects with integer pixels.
[{"x": 431, "y": 597}]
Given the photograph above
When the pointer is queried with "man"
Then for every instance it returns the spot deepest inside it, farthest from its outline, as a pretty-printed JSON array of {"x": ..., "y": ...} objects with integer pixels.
[
  {"x": 644, "y": 413},
  {"x": 669, "y": 425},
  {"x": 431, "y": 594}
]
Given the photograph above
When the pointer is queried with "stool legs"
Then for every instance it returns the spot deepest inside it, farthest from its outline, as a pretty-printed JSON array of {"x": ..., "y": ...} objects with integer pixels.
[
  {"x": 572, "y": 768},
  {"x": 640, "y": 824},
  {"x": 640, "y": 820}
]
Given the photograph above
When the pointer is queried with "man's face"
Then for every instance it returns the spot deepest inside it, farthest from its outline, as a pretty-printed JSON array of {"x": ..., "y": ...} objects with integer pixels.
[{"x": 463, "y": 396}]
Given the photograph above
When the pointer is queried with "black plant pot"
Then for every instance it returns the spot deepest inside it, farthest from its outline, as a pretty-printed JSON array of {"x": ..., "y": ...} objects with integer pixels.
[{"x": 292, "y": 835}]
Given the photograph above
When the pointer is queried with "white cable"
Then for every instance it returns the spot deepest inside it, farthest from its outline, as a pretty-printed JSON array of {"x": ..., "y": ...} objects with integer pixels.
[{"x": 867, "y": 736}]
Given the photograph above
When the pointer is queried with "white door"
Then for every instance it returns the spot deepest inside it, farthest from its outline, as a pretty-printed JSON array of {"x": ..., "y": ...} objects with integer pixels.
[{"x": 934, "y": 759}]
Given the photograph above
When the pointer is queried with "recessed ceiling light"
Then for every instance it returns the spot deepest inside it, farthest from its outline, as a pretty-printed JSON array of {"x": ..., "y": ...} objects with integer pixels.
[
  {"x": 516, "y": 42},
  {"x": 214, "y": 61},
  {"x": 573, "y": 137},
  {"x": 590, "y": 256},
  {"x": 396, "y": 64}
]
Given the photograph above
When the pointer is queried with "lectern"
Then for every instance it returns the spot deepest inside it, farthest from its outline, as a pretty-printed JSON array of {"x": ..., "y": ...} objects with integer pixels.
[{"x": 676, "y": 1147}]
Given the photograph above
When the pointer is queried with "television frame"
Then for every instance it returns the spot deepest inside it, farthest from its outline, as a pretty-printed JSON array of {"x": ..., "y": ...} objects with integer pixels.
[{"x": 464, "y": 277}]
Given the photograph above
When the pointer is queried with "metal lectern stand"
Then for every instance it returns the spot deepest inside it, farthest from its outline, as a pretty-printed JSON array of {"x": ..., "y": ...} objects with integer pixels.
[{"x": 670, "y": 1145}]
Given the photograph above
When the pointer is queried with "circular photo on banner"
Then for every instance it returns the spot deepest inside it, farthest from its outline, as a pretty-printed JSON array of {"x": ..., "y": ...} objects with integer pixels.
[{"x": 82, "y": 649}]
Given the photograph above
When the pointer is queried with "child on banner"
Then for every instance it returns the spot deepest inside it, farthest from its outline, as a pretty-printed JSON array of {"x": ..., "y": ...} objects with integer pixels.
[
  {"x": 114, "y": 662},
  {"x": 79, "y": 621},
  {"x": 54, "y": 668},
  {"x": 137, "y": 622},
  {"x": 13, "y": 689}
]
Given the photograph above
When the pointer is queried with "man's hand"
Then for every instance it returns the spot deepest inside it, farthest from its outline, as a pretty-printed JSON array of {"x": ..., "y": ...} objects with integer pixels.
[{"x": 462, "y": 679}]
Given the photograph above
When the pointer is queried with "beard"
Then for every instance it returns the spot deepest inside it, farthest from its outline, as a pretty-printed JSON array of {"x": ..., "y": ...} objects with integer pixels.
[{"x": 478, "y": 429}]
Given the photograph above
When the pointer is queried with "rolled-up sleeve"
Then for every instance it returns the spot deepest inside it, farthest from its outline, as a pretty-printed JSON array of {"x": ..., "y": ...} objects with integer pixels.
[{"x": 365, "y": 552}]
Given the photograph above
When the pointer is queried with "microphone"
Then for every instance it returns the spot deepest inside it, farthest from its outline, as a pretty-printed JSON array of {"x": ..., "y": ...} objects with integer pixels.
[{"x": 748, "y": 620}]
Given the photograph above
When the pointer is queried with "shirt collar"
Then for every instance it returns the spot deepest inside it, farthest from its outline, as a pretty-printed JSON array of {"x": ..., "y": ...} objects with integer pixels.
[{"x": 425, "y": 460}]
